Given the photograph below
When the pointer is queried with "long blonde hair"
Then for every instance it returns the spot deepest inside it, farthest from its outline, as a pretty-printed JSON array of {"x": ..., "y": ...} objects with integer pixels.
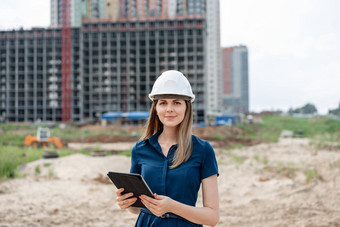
[{"x": 184, "y": 141}]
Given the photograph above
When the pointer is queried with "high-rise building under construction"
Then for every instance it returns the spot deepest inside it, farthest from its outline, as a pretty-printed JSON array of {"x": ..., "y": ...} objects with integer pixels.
[
  {"x": 104, "y": 55},
  {"x": 125, "y": 9}
]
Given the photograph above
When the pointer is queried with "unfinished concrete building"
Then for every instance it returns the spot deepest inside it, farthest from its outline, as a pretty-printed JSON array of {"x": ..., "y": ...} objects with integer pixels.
[
  {"x": 73, "y": 73},
  {"x": 122, "y": 60},
  {"x": 30, "y": 75},
  {"x": 113, "y": 67}
]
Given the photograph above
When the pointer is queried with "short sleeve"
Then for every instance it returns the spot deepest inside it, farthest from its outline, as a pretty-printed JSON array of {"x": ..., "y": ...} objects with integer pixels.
[
  {"x": 209, "y": 163},
  {"x": 135, "y": 167}
]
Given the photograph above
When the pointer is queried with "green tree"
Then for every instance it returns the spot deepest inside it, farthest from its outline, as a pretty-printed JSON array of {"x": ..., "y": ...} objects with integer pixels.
[
  {"x": 306, "y": 109},
  {"x": 290, "y": 111},
  {"x": 335, "y": 111},
  {"x": 309, "y": 109}
]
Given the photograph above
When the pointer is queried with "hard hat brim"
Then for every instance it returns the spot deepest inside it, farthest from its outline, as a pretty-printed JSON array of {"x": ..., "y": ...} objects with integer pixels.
[{"x": 170, "y": 96}]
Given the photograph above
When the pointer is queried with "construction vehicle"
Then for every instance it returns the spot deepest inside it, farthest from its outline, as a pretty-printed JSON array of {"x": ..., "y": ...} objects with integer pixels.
[{"x": 43, "y": 139}]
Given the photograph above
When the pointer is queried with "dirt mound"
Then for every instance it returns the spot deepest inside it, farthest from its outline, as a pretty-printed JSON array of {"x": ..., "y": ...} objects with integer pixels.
[
  {"x": 106, "y": 139},
  {"x": 231, "y": 142},
  {"x": 220, "y": 136}
]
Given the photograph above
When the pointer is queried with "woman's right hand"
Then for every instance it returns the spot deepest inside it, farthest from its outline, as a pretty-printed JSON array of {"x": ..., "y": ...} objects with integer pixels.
[{"x": 124, "y": 201}]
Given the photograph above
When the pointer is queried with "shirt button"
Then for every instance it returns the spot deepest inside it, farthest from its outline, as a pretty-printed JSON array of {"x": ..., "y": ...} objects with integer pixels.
[{"x": 167, "y": 215}]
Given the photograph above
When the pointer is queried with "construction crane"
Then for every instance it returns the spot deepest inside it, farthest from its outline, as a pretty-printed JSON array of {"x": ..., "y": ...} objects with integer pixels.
[{"x": 66, "y": 60}]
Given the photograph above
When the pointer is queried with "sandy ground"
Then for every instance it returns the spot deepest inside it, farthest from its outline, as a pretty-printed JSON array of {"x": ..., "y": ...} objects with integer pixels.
[
  {"x": 120, "y": 146},
  {"x": 262, "y": 185}
]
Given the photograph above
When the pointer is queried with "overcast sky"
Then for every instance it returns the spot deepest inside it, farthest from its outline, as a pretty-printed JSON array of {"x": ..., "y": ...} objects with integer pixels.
[{"x": 294, "y": 46}]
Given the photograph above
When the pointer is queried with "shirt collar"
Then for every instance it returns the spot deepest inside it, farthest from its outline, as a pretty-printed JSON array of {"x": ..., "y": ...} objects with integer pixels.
[{"x": 153, "y": 140}]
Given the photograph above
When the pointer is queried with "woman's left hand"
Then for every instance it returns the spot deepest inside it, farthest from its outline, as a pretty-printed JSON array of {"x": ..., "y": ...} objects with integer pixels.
[{"x": 159, "y": 205}]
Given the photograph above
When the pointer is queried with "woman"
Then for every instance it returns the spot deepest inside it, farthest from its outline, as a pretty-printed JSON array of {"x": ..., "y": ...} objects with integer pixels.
[{"x": 173, "y": 162}]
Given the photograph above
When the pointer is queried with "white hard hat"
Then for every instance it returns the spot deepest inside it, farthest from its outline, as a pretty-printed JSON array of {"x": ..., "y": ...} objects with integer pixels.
[{"x": 172, "y": 82}]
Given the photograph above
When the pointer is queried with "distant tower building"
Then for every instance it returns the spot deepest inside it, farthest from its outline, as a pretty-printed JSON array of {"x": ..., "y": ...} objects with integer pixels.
[
  {"x": 165, "y": 8},
  {"x": 235, "y": 80},
  {"x": 131, "y": 8},
  {"x": 79, "y": 9},
  {"x": 213, "y": 68},
  {"x": 55, "y": 13},
  {"x": 96, "y": 8},
  {"x": 171, "y": 12},
  {"x": 195, "y": 7},
  {"x": 112, "y": 9},
  {"x": 123, "y": 8},
  {"x": 139, "y": 9},
  {"x": 190, "y": 7},
  {"x": 181, "y": 7},
  {"x": 155, "y": 7}
]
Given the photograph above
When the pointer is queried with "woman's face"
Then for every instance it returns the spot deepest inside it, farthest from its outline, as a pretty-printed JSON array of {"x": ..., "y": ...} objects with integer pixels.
[{"x": 171, "y": 112}]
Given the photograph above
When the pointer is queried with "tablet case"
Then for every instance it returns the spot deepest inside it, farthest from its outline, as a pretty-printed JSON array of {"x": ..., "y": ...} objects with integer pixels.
[{"x": 131, "y": 183}]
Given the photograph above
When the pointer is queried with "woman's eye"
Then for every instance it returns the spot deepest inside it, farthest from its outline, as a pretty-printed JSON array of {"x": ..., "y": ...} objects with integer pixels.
[{"x": 177, "y": 103}]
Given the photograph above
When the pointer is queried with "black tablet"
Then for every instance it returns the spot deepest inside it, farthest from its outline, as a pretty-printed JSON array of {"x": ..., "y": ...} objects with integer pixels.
[{"x": 131, "y": 182}]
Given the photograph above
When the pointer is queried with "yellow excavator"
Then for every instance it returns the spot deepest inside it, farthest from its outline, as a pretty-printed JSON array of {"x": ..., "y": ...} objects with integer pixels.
[{"x": 43, "y": 139}]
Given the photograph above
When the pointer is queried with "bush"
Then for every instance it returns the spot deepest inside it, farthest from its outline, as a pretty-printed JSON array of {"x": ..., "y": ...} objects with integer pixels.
[{"x": 12, "y": 157}]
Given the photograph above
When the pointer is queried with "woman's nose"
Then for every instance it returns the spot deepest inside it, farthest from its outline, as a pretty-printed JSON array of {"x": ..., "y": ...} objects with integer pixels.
[{"x": 169, "y": 108}]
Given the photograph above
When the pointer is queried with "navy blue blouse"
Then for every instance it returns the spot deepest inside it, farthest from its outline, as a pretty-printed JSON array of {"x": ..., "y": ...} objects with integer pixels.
[{"x": 181, "y": 183}]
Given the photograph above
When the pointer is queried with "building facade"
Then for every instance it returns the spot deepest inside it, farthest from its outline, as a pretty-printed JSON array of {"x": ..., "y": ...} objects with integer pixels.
[
  {"x": 122, "y": 60},
  {"x": 124, "y": 9},
  {"x": 72, "y": 73},
  {"x": 113, "y": 67},
  {"x": 213, "y": 68},
  {"x": 235, "y": 80},
  {"x": 31, "y": 75},
  {"x": 78, "y": 9}
]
